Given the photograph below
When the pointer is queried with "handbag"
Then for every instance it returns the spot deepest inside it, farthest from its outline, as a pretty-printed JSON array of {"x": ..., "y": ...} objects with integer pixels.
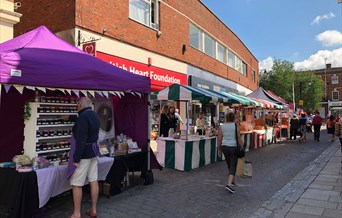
[{"x": 239, "y": 152}]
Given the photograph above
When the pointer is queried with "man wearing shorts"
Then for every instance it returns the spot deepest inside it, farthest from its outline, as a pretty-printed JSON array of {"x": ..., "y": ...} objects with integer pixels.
[{"x": 86, "y": 133}]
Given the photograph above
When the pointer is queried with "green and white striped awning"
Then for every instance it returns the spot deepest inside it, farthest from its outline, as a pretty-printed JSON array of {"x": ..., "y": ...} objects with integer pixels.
[
  {"x": 177, "y": 92},
  {"x": 252, "y": 102},
  {"x": 242, "y": 101}
]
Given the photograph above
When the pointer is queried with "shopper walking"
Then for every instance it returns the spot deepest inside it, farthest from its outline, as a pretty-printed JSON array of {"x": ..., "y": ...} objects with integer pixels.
[
  {"x": 228, "y": 140},
  {"x": 331, "y": 127},
  {"x": 340, "y": 135},
  {"x": 294, "y": 125},
  {"x": 317, "y": 123},
  {"x": 302, "y": 126},
  {"x": 84, "y": 158}
]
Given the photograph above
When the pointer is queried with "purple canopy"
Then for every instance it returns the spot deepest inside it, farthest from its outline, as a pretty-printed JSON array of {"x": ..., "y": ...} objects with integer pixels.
[{"x": 45, "y": 60}]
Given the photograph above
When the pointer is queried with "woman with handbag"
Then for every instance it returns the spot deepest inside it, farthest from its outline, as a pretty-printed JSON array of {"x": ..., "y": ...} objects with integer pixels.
[{"x": 230, "y": 145}]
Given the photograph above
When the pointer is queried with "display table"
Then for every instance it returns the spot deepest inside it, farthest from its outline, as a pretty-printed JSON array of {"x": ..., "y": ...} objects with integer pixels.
[
  {"x": 258, "y": 139},
  {"x": 246, "y": 137},
  {"x": 126, "y": 163},
  {"x": 186, "y": 155},
  {"x": 24, "y": 193},
  {"x": 52, "y": 180}
]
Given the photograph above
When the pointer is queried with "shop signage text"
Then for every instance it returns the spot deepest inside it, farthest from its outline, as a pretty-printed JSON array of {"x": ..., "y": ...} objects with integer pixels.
[{"x": 158, "y": 76}]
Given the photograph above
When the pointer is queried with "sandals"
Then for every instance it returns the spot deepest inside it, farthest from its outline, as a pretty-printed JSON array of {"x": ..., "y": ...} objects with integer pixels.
[{"x": 91, "y": 214}]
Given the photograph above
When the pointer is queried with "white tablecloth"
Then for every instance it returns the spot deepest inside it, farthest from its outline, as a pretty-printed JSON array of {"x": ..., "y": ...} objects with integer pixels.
[{"x": 52, "y": 180}]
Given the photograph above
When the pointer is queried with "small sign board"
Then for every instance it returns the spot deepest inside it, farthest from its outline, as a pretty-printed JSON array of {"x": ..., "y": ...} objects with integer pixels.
[{"x": 301, "y": 102}]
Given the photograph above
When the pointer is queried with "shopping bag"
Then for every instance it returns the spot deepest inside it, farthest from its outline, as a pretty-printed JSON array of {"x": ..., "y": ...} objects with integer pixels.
[
  {"x": 247, "y": 170},
  {"x": 337, "y": 129},
  {"x": 240, "y": 167}
]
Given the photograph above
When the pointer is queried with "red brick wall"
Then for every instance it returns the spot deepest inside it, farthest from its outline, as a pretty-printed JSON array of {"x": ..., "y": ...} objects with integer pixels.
[
  {"x": 57, "y": 15},
  {"x": 114, "y": 16}
]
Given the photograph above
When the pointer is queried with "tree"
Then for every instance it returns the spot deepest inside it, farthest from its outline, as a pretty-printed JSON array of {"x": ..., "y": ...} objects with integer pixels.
[{"x": 281, "y": 79}]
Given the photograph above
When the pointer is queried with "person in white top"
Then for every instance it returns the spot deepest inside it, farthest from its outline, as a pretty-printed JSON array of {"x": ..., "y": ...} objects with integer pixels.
[
  {"x": 228, "y": 140},
  {"x": 200, "y": 124},
  {"x": 180, "y": 120}
]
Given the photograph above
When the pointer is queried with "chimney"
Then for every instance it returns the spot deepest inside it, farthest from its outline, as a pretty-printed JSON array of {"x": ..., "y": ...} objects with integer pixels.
[{"x": 328, "y": 66}]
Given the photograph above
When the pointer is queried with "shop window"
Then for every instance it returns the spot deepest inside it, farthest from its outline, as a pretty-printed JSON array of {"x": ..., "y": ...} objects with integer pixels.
[
  {"x": 334, "y": 79},
  {"x": 231, "y": 59},
  {"x": 145, "y": 12},
  {"x": 221, "y": 53},
  {"x": 335, "y": 95},
  {"x": 209, "y": 46},
  {"x": 196, "y": 37}
]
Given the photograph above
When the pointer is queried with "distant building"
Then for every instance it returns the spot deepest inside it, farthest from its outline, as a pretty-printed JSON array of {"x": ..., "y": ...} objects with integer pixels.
[{"x": 332, "y": 100}]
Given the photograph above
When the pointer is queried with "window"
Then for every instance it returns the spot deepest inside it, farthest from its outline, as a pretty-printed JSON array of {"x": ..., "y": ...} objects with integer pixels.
[
  {"x": 244, "y": 69},
  {"x": 335, "y": 95},
  {"x": 253, "y": 76},
  {"x": 145, "y": 12},
  {"x": 238, "y": 64},
  {"x": 195, "y": 37},
  {"x": 231, "y": 59},
  {"x": 221, "y": 53},
  {"x": 209, "y": 46},
  {"x": 334, "y": 79}
]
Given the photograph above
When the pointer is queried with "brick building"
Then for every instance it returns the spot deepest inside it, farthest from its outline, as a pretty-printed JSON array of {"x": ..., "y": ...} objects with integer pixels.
[
  {"x": 8, "y": 18},
  {"x": 332, "y": 78},
  {"x": 169, "y": 41}
]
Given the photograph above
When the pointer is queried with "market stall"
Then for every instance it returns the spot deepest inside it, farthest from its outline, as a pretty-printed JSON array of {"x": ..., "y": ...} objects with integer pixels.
[
  {"x": 38, "y": 68},
  {"x": 188, "y": 151}
]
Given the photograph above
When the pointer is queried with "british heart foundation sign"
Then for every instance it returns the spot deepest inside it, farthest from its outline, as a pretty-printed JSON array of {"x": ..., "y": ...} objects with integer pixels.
[{"x": 89, "y": 48}]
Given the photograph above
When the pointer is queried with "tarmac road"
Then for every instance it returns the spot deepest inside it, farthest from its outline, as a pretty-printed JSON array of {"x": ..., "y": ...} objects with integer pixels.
[{"x": 200, "y": 192}]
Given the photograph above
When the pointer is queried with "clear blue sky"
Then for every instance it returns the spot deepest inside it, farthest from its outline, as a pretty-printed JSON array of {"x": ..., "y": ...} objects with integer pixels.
[{"x": 304, "y": 32}]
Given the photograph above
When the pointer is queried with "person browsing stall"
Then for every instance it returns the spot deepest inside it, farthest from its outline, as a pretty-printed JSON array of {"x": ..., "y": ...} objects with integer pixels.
[
  {"x": 228, "y": 140},
  {"x": 83, "y": 156},
  {"x": 200, "y": 124},
  {"x": 165, "y": 122}
]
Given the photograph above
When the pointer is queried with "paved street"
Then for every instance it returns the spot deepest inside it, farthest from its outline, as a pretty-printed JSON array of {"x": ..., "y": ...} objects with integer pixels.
[{"x": 282, "y": 173}]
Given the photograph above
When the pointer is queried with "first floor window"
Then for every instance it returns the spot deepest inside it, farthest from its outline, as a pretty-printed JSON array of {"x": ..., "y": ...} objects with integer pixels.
[
  {"x": 209, "y": 46},
  {"x": 231, "y": 59},
  {"x": 253, "y": 76},
  {"x": 220, "y": 53},
  {"x": 145, "y": 12},
  {"x": 335, "y": 95},
  {"x": 196, "y": 37}
]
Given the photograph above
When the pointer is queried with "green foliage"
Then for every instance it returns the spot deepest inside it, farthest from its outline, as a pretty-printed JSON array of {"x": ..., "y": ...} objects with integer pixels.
[
  {"x": 27, "y": 111},
  {"x": 281, "y": 79}
]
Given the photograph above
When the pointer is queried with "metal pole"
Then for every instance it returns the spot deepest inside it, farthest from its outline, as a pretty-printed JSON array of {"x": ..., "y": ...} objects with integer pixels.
[
  {"x": 293, "y": 98},
  {"x": 148, "y": 133},
  {"x": 325, "y": 76}
]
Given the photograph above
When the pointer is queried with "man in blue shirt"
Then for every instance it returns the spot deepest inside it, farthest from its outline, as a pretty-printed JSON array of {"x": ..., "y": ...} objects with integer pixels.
[{"x": 86, "y": 133}]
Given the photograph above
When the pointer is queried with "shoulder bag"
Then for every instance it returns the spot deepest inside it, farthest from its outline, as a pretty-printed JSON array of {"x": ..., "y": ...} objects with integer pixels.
[{"x": 239, "y": 152}]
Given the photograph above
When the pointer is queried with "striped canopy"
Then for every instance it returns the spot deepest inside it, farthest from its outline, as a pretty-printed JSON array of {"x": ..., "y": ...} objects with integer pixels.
[
  {"x": 177, "y": 92},
  {"x": 243, "y": 101},
  {"x": 252, "y": 101}
]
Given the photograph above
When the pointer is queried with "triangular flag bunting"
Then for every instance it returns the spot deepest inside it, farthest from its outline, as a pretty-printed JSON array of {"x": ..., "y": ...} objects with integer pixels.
[
  {"x": 105, "y": 93},
  {"x": 7, "y": 87},
  {"x": 41, "y": 89},
  {"x": 112, "y": 93},
  {"x": 77, "y": 93},
  {"x": 68, "y": 91},
  {"x": 84, "y": 92},
  {"x": 19, "y": 88},
  {"x": 51, "y": 89},
  {"x": 118, "y": 94},
  {"x": 30, "y": 88},
  {"x": 61, "y": 90},
  {"x": 139, "y": 94},
  {"x": 122, "y": 93},
  {"x": 92, "y": 93},
  {"x": 99, "y": 93}
]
